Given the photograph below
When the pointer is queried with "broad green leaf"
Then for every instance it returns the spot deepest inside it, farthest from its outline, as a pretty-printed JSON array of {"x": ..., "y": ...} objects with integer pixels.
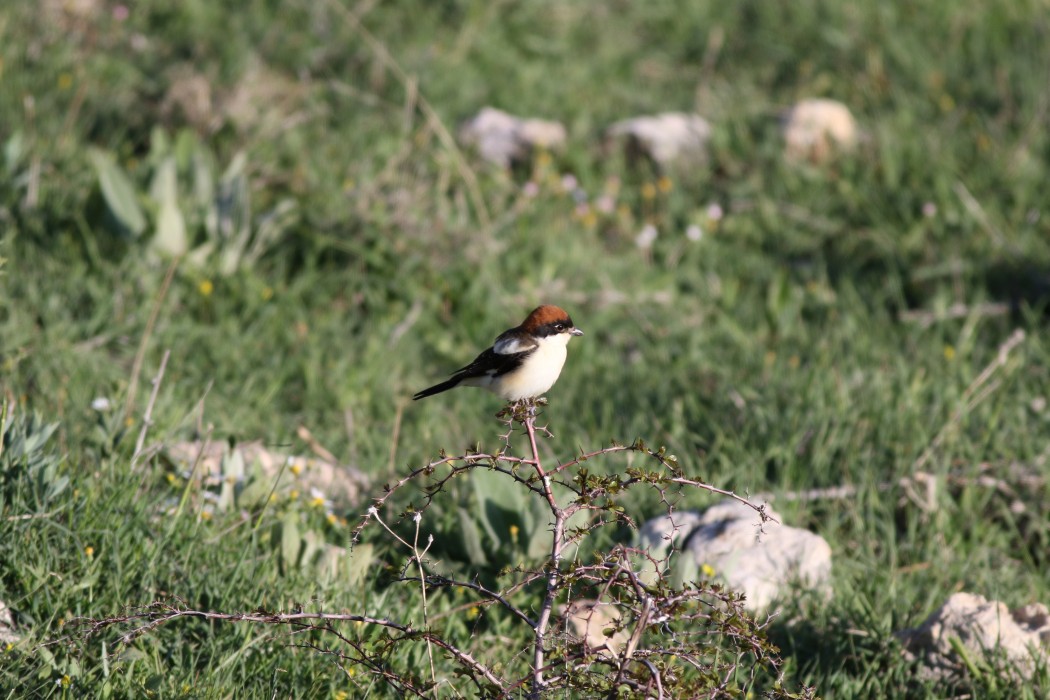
[
  {"x": 118, "y": 193},
  {"x": 199, "y": 255},
  {"x": 472, "y": 538},
  {"x": 313, "y": 542},
  {"x": 358, "y": 561},
  {"x": 170, "y": 237},
  {"x": 164, "y": 186},
  {"x": 14, "y": 149},
  {"x": 185, "y": 148},
  {"x": 232, "y": 472},
  {"x": 204, "y": 188},
  {"x": 291, "y": 542},
  {"x": 684, "y": 570}
]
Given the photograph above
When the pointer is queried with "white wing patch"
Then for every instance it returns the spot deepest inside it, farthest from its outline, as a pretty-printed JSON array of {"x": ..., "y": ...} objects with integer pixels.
[{"x": 512, "y": 345}]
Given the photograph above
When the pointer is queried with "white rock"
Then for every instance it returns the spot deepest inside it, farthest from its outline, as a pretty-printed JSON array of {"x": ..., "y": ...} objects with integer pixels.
[
  {"x": 504, "y": 139},
  {"x": 814, "y": 129},
  {"x": 7, "y": 625},
  {"x": 596, "y": 623},
  {"x": 1022, "y": 636},
  {"x": 762, "y": 561},
  {"x": 668, "y": 138}
]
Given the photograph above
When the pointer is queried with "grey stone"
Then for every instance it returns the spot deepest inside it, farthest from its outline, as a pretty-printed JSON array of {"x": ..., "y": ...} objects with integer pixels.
[
  {"x": 504, "y": 139},
  {"x": 1020, "y": 637},
  {"x": 668, "y": 139},
  {"x": 762, "y": 561}
]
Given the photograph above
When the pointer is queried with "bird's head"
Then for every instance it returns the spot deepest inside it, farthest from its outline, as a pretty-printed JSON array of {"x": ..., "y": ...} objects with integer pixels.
[{"x": 549, "y": 320}]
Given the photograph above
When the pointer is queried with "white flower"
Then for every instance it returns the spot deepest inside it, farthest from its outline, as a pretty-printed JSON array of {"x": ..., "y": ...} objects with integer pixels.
[
  {"x": 694, "y": 232},
  {"x": 101, "y": 403},
  {"x": 646, "y": 237},
  {"x": 714, "y": 211}
]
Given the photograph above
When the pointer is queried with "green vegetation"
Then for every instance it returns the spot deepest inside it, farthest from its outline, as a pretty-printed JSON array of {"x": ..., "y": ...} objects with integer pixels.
[{"x": 829, "y": 327}]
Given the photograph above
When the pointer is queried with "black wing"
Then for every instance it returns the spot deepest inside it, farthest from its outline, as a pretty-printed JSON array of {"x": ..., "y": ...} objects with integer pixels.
[{"x": 489, "y": 363}]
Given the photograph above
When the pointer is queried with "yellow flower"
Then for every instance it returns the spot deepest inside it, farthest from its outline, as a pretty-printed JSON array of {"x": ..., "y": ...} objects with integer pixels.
[
  {"x": 473, "y": 613},
  {"x": 770, "y": 358},
  {"x": 65, "y": 81},
  {"x": 648, "y": 191},
  {"x": 205, "y": 515},
  {"x": 296, "y": 467},
  {"x": 267, "y": 293},
  {"x": 205, "y": 288},
  {"x": 89, "y": 551},
  {"x": 707, "y": 570},
  {"x": 332, "y": 520},
  {"x": 949, "y": 353},
  {"x": 543, "y": 159},
  {"x": 293, "y": 495},
  {"x": 514, "y": 530},
  {"x": 66, "y": 680},
  {"x": 664, "y": 184},
  {"x": 317, "y": 501},
  {"x": 794, "y": 361}
]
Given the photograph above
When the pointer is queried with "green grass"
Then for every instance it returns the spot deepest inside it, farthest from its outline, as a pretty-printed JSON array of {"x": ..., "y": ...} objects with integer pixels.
[{"x": 771, "y": 356}]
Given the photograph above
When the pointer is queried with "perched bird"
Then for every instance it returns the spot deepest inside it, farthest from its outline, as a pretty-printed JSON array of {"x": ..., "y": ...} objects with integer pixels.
[{"x": 523, "y": 363}]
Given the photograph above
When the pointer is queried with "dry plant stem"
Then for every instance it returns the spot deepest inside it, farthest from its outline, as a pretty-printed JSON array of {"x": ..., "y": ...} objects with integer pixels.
[
  {"x": 165, "y": 613},
  {"x": 306, "y": 436},
  {"x": 418, "y": 557},
  {"x": 147, "y": 418},
  {"x": 140, "y": 354},
  {"x": 467, "y": 462},
  {"x": 557, "y": 547}
]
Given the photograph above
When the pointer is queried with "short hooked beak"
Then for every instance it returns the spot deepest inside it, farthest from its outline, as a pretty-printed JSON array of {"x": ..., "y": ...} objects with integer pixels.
[{"x": 575, "y": 331}]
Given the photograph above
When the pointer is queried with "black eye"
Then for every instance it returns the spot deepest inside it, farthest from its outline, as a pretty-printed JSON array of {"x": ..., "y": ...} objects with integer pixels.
[{"x": 559, "y": 327}]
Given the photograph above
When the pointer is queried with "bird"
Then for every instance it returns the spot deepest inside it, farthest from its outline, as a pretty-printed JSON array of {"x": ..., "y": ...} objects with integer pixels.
[{"x": 523, "y": 362}]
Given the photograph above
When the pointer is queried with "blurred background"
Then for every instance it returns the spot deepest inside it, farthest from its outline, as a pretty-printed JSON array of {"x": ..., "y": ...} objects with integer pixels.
[{"x": 282, "y": 195}]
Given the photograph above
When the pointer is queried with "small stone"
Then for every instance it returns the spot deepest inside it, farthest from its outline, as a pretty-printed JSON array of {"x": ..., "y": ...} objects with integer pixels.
[
  {"x": 7, "y": 625},
  {"x": 597, "y": 623},
  {"x": 815, "y": 129},
  {"x": 668, "y": 139},
  {"x": 341, "y": 484},
  {"x": 504, "y": 139}
]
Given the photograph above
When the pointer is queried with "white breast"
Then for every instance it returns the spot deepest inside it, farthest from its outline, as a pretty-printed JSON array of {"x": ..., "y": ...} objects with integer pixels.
[{"x": 537, "y": 374}]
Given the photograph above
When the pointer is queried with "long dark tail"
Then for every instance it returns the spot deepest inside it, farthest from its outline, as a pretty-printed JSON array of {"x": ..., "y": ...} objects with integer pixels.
[{"x": 436, "y": 389}]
